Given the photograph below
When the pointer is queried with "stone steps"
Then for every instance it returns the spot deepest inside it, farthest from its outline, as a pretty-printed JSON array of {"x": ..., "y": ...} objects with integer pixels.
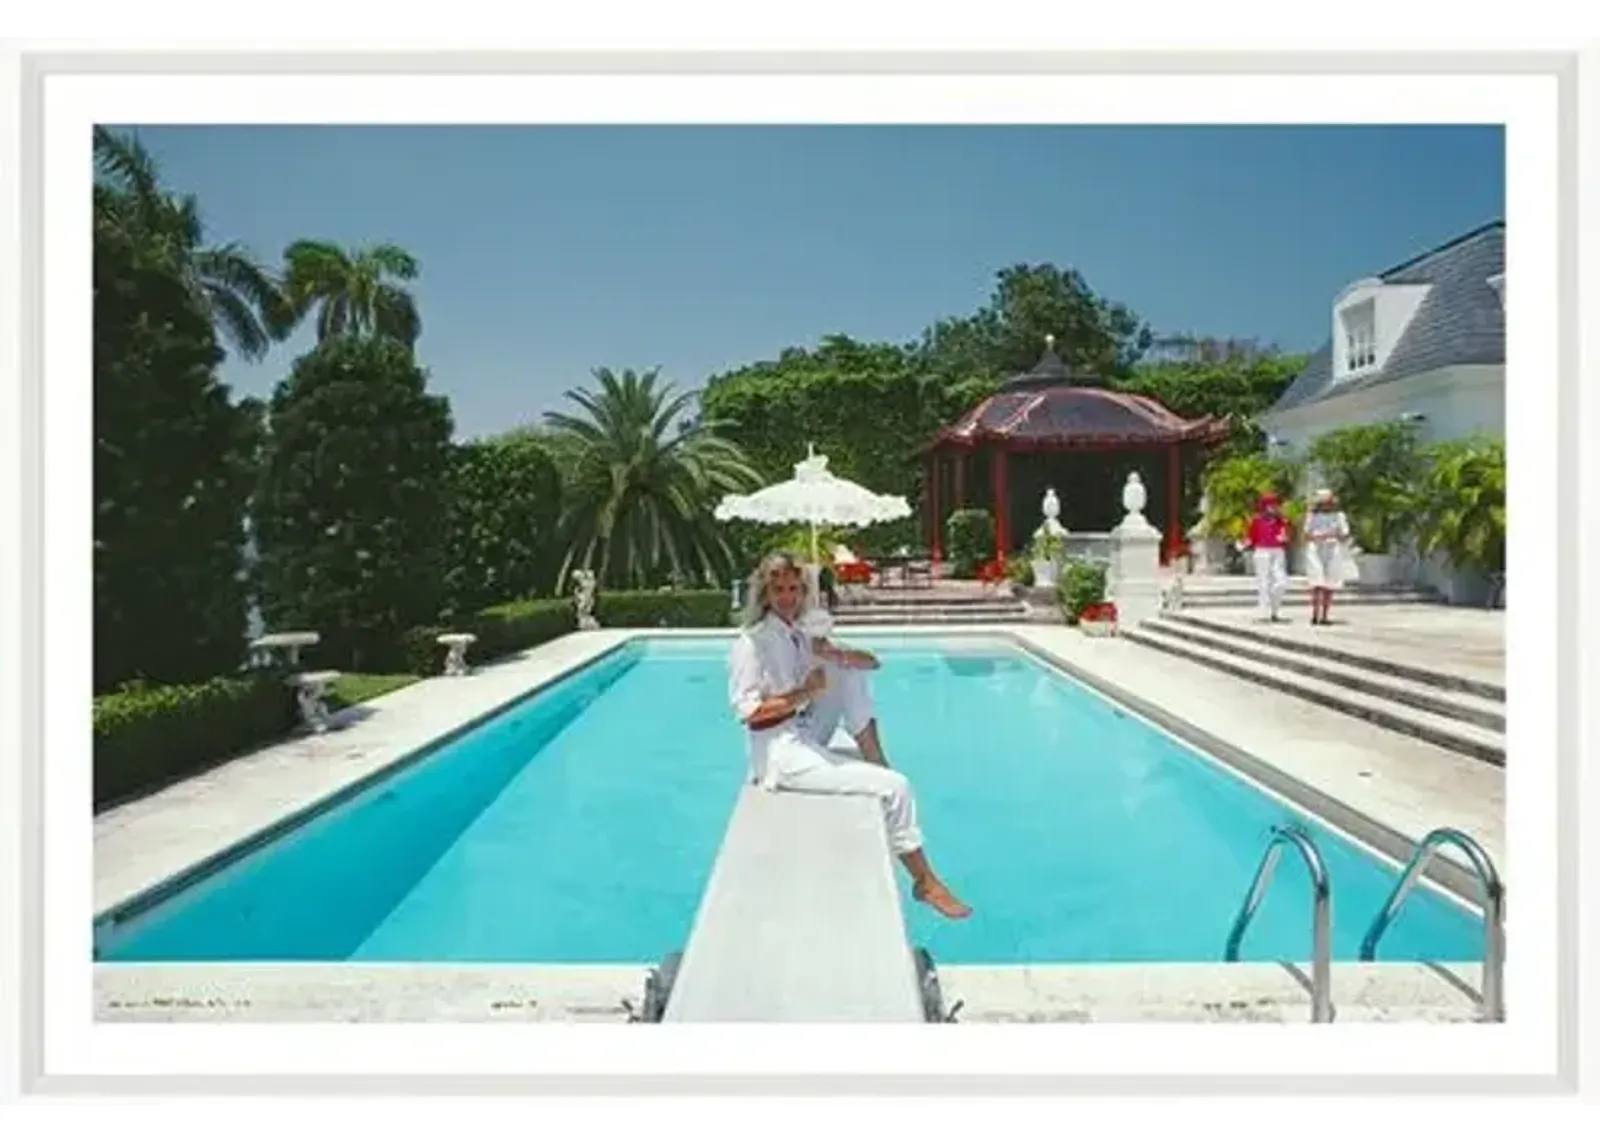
[
  {"x": 1271, "y": 637},
  {"x": 864, "y": 616},
  {"x": 1447, "y": 718},
  {"x": 1373, "y": 678},
  {"x": 1241, "y": 592}
]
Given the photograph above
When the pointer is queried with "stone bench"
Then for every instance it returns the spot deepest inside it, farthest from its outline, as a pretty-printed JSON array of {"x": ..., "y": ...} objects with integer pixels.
[
  {"x": 455, "y": 661},
  {"x": 311, "y": 691},
  {"x": 800, "y": 920}
]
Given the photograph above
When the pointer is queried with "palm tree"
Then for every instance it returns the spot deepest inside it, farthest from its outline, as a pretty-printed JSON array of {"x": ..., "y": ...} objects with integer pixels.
[
  {"x": 243, "y": 300},
  {"x": 641, "y": 488},
  {"x": 353, "y": 291}
]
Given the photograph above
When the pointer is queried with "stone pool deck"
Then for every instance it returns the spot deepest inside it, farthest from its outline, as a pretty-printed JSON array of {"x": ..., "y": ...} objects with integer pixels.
[
  {"x": 1385, "y": 788},
  {"x": 988, "y": 994}
]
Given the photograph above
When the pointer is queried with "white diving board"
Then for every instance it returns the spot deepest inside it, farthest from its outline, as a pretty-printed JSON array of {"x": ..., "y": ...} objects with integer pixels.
[{"x": 801, "y": 919}]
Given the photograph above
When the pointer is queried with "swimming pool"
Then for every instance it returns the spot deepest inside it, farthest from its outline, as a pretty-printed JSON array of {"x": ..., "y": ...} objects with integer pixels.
[{"x": 580, "y": 826}]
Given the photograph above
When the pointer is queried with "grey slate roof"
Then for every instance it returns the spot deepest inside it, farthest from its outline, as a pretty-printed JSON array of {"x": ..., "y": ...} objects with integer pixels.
[{"x": 1460, "y": 322}]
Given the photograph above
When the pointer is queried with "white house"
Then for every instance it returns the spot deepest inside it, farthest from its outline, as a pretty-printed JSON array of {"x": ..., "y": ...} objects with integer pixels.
[{"x": 1424, "y": 341}]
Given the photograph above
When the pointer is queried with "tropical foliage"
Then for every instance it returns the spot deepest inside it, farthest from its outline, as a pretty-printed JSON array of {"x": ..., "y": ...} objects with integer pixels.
[
  {"x": 353, "y": 489},
  {"x": 1374, "y": 469},
  {"x": 132, "y": 210},
  {"x": 1463, "y": 503},
  {"x": 353, "y": 292},
  {"x": 1233, "y": 484},
  {"x": 637, "y": 503}
]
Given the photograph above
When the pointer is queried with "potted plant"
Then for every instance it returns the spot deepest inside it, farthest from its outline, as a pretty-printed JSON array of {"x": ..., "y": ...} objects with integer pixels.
[
  {"x": 1098, "y": 618},
  {"x": 1019, "y": 570},
  {"x": 1462, "y": 514},
  {"x": 1374, "y": 470},
  {"x": 1082, "y": 582},
  {"x": 1045, "y": 554}
]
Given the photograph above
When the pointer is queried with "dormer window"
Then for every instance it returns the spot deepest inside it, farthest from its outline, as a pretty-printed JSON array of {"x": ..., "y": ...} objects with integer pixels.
[{"x": 1360, "y": 335}]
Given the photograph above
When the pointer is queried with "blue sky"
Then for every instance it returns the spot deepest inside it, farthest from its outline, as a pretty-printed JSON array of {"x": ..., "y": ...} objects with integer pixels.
[{"x": 548, "y": 251}]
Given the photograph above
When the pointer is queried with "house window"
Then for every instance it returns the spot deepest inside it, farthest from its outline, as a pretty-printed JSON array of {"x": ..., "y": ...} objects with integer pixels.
[{"x": 1360, "y": 336}]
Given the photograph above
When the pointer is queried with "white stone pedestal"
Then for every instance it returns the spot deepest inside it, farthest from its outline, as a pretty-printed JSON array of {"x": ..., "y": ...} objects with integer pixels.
[{"x": 1133, "y": 578}]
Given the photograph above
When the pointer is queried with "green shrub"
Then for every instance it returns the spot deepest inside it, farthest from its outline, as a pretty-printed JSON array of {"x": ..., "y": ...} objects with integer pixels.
[
  {"x": 971, "y": 538},
  {"x": 502, "y": 630},
  {"x": 1463, "y": 503},
  {"x": 1081, "y": 583},
  {"x": 150, "y": 736},
  {"x": 1375, "y": 471},
  {"x": 664, "y": 609},
  {"x": 1234, "y": 483},
  {"x": 1019, "y": 569}
]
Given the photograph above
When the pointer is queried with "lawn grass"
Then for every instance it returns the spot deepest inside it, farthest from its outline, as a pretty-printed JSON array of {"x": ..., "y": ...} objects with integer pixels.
[{"x": 352, "y": 690}]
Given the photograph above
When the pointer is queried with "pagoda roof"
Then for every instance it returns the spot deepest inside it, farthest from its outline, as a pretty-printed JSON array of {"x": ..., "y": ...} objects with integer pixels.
[{"x": 1044, "y": 409}]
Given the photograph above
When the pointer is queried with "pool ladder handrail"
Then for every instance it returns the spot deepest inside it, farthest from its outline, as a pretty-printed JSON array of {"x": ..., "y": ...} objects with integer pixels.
[
  {"x": 1492, "y": 1003},
  {"x": 1321, "y": 904}
]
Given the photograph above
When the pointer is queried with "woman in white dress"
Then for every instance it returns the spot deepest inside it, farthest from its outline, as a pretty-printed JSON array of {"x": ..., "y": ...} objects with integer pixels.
[
  {"x": 791, "y": 692},
  {"x": 1327, "y": 533}
]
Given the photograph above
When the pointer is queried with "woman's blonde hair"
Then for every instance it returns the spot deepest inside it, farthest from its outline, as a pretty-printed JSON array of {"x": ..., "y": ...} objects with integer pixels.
[{"x": 756, "y": 605}]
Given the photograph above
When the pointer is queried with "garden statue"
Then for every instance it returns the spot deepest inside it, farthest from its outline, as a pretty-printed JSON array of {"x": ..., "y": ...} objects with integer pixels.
[
  {"x": 1134, "y": 497},
  {"x": 1211, "y": 550},
  {"x": 583, "y": 596},
  {"x": 1049, "y": 547}
]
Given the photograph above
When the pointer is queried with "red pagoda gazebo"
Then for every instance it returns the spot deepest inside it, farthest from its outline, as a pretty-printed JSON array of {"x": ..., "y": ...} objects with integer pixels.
[{"x": 1047, "y": 410}]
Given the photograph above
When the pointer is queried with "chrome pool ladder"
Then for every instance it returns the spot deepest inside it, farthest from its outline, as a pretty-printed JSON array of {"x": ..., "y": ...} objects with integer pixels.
[
  {"x": 1492, "y": 1006},
  {"x": 1321, "y": 906}
]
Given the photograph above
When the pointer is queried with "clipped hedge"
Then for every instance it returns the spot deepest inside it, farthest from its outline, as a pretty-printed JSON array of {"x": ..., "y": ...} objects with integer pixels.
[
  {"x": 664, "y": 609},
  {"x": 146, "y": 737},
  {"x": 503, "y": 629}
]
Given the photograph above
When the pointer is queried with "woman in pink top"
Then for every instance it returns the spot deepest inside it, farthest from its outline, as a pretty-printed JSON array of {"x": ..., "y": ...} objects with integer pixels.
[{"x": 1267, "y": 539}]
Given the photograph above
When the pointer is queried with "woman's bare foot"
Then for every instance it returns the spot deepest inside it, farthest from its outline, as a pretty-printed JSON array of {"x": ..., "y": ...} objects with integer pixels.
[{"x": 938, "y": 895}]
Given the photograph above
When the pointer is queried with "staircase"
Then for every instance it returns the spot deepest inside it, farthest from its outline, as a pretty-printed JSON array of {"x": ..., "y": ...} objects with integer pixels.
[
  {"x": 1240, "y": 591},
  {"x": 1453, "y": 710},
  {"x": 944, "y": 602},
  {"x": 947, "y": 611}
]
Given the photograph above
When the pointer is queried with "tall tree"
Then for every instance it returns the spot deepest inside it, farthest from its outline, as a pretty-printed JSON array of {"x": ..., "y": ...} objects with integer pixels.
[
  {"x": 243, "y": 300},
  {"x": 504, "y": 508},
  {"x": 353, "y": 491},
  {"x": 173, "y": 453},
  {"x": 353, "y": 291},
  {"x": 1095, "y": 336},
  {"x": 173, "y": 469},
  {"x": 868, "y": 406},
  {"x": 638, "y": 500}
]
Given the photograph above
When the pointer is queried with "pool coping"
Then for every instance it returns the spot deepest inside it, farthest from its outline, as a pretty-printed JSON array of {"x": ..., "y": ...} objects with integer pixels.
[
  {"x": 1164, "y": 992},
  {"x": 1445, "y": 873}
]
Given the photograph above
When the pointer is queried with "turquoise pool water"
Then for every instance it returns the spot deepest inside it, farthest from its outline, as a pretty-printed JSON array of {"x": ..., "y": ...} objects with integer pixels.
[{"x": 581, "y": 825}]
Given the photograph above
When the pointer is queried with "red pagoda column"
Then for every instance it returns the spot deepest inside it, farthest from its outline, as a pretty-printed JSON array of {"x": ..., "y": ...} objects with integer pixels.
[
  {"x": 935, "y": 532},
  {"x": 1002, "y": 513},
  {"x": 959, "y": 500},
  {"x": 1174, "y": 502}
]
